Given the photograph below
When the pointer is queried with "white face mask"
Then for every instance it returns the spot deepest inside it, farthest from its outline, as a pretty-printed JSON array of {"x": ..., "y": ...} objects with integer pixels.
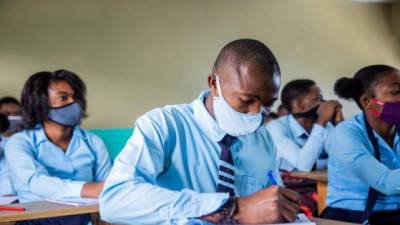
[{"x": 232, "y": 122}]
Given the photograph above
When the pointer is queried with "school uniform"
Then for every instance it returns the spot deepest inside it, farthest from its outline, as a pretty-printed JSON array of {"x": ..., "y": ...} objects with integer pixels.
[
  {"x": 357, "y": 168},
  {"x": 298, "y": 150},
  {"x": 168, "y": 172},
  {"x": 6, "y": 187},
  {"x": 41, "y": 170}
]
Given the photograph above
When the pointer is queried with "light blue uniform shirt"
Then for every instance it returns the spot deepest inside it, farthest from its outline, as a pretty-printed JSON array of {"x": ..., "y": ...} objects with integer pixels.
[
  {"x": 353, "y": 168},
  {"x": 39, "y": 169},
  {"x": 6, "y": 187},
  {"x": 168, "y": 170},
  {"x": 298, "y": 150}
]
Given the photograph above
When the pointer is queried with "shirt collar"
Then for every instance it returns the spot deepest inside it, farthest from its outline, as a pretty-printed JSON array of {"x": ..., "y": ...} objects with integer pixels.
[
  {"x": 204, "y": 119},
  {"x": 296, "y": 128},
  {"x": 41, "y": 136},
  {"x": 396, "y": 139}
]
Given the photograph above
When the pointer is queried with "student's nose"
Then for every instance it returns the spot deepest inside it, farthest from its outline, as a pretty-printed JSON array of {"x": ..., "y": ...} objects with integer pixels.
[{"x": 255, "y": 108}]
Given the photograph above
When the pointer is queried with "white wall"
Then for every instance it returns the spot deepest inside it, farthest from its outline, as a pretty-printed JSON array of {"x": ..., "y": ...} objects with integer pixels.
[{"x": 137, "y": 55}]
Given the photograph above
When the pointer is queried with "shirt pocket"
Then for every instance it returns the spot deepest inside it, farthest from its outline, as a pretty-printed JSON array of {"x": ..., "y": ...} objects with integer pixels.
[{"x": 247, "y": 185}]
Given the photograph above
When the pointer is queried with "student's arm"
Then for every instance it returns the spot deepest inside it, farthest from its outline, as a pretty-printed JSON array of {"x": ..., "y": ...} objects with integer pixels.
[
  {"x": 347, "y": 147},
  {"x": 102, "y": 168},
  {"x": 302, "y": 158},
  {"x": 103, "y": 161},
  {"x": 130, "y": 193},
  {"x": 24, "y": 167}
]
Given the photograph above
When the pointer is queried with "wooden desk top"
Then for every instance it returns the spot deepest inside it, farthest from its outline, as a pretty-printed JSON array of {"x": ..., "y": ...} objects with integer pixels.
[
  {"x": 330, "y": 222},
  {"x": 317, "y": 175},
  {"x": 37, "y": 210}
]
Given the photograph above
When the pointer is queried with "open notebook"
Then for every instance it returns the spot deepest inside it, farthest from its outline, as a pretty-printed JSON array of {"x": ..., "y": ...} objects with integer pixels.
[
  {"x": 301, "y": 219},
  {"x": 75, "y": 201},
  {"x": 5, "y": 200}
]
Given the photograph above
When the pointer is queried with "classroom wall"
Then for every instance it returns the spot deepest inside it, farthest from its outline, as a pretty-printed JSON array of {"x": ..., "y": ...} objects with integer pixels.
[
  {"x": 137, "y": 55},
  {"x": 395, "y": 20}
]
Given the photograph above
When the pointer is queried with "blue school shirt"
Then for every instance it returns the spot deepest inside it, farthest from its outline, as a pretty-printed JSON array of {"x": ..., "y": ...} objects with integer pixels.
[
  {"x": 298, "y": 150},
  {"x": 353, "y": 169},
  {"x": 41, "y": 170},
  {"x": 6, "y": 187},
  {"x": 167, "y": 172}
]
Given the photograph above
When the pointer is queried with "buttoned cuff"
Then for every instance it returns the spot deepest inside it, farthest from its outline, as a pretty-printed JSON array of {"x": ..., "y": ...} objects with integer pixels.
[{"x": 75, "y": 188}]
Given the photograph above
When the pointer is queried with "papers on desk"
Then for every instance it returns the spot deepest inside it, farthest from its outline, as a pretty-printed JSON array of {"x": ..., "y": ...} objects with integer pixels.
[
  {"x": 75, "y": 201},
  {"x": 301, "y": 219},
  {"x": 5, "y": 200}
]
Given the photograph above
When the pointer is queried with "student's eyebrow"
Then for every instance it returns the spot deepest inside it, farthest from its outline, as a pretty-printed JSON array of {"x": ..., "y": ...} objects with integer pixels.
[
  {"x": 248, "y": 95},
  {"x": 395, "y": 84},
  {"x": 64, "y": 93}
]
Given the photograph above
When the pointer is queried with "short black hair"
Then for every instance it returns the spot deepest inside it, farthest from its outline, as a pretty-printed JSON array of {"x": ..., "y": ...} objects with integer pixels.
[
  {"x": 4, "y": 123},
  {"x": 247, "y": 51},
  {"x": 9, "y": 99},
  {"x": 293, "y": 90},
  {"x": 34, "y": 96},
  {"x": 362, "y": 82}
]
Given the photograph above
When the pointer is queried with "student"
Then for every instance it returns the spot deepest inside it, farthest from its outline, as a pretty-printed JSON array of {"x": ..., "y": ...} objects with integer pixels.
[
  {"x": 10, "y": 123},
  {"x": 53, "y": 158},
  {"x": 300, "y": 136},
  {"x": 6, "y": 187},
  {"x": 364, "y": 151},
  {"x": 270, "y": 117},
  {"x": 282, "y": 111},
  {"x": 11, "y": 107},
  {"x": 208, "y": 159}
]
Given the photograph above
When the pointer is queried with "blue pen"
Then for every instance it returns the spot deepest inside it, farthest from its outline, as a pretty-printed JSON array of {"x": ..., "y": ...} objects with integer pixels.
[{"x": 270, "y": 176}]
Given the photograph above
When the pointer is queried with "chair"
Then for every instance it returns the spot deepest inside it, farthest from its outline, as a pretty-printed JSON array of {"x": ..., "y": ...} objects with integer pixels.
[{"x": 114, "y": 138}]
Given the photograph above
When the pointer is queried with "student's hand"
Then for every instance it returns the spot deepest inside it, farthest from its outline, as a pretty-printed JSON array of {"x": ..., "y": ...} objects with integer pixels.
[
  {"x": 326, "y": 111},
  {"x": 338, "y": 116},
  {"x": 92, "y": 189},
  {"x": 270, "y": 205}
]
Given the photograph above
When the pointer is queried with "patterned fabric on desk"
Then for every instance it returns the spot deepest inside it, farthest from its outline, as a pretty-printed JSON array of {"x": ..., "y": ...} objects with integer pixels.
[{"x": 307, "y": 190}]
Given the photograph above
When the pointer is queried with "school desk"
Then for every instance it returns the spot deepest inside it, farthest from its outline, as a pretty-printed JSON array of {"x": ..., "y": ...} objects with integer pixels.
[
  {"x": 38, "y": 210},
  {"x": 320, "y": 176}
]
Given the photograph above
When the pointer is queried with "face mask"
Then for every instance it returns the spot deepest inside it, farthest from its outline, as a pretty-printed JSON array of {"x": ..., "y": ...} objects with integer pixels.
[
  {"x": 15, "y": 123},
  {"x": 390, "y": 111},
  {"x": 69, "y": 115},
  {"x": 310, "y": 114},
  {"x": 232, "y": 122}
]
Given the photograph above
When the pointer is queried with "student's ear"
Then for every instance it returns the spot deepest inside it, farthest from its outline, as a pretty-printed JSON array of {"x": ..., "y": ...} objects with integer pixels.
[
  {"x": 212, "y": 83},
  {"x": 365, "y": 102}
]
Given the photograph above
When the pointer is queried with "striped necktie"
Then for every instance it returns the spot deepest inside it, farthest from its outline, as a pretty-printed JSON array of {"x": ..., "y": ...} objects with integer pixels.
[{"x": 226, "y": 173}]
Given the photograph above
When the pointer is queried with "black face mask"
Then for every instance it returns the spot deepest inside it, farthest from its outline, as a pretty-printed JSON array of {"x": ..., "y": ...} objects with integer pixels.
[{"x": 310, "y": 114}]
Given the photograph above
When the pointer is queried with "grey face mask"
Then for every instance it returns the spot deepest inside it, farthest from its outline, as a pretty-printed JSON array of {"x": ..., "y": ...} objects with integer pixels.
[
  {"x": 69, "y": 115},
  {"x": 15, "y": 123}
]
